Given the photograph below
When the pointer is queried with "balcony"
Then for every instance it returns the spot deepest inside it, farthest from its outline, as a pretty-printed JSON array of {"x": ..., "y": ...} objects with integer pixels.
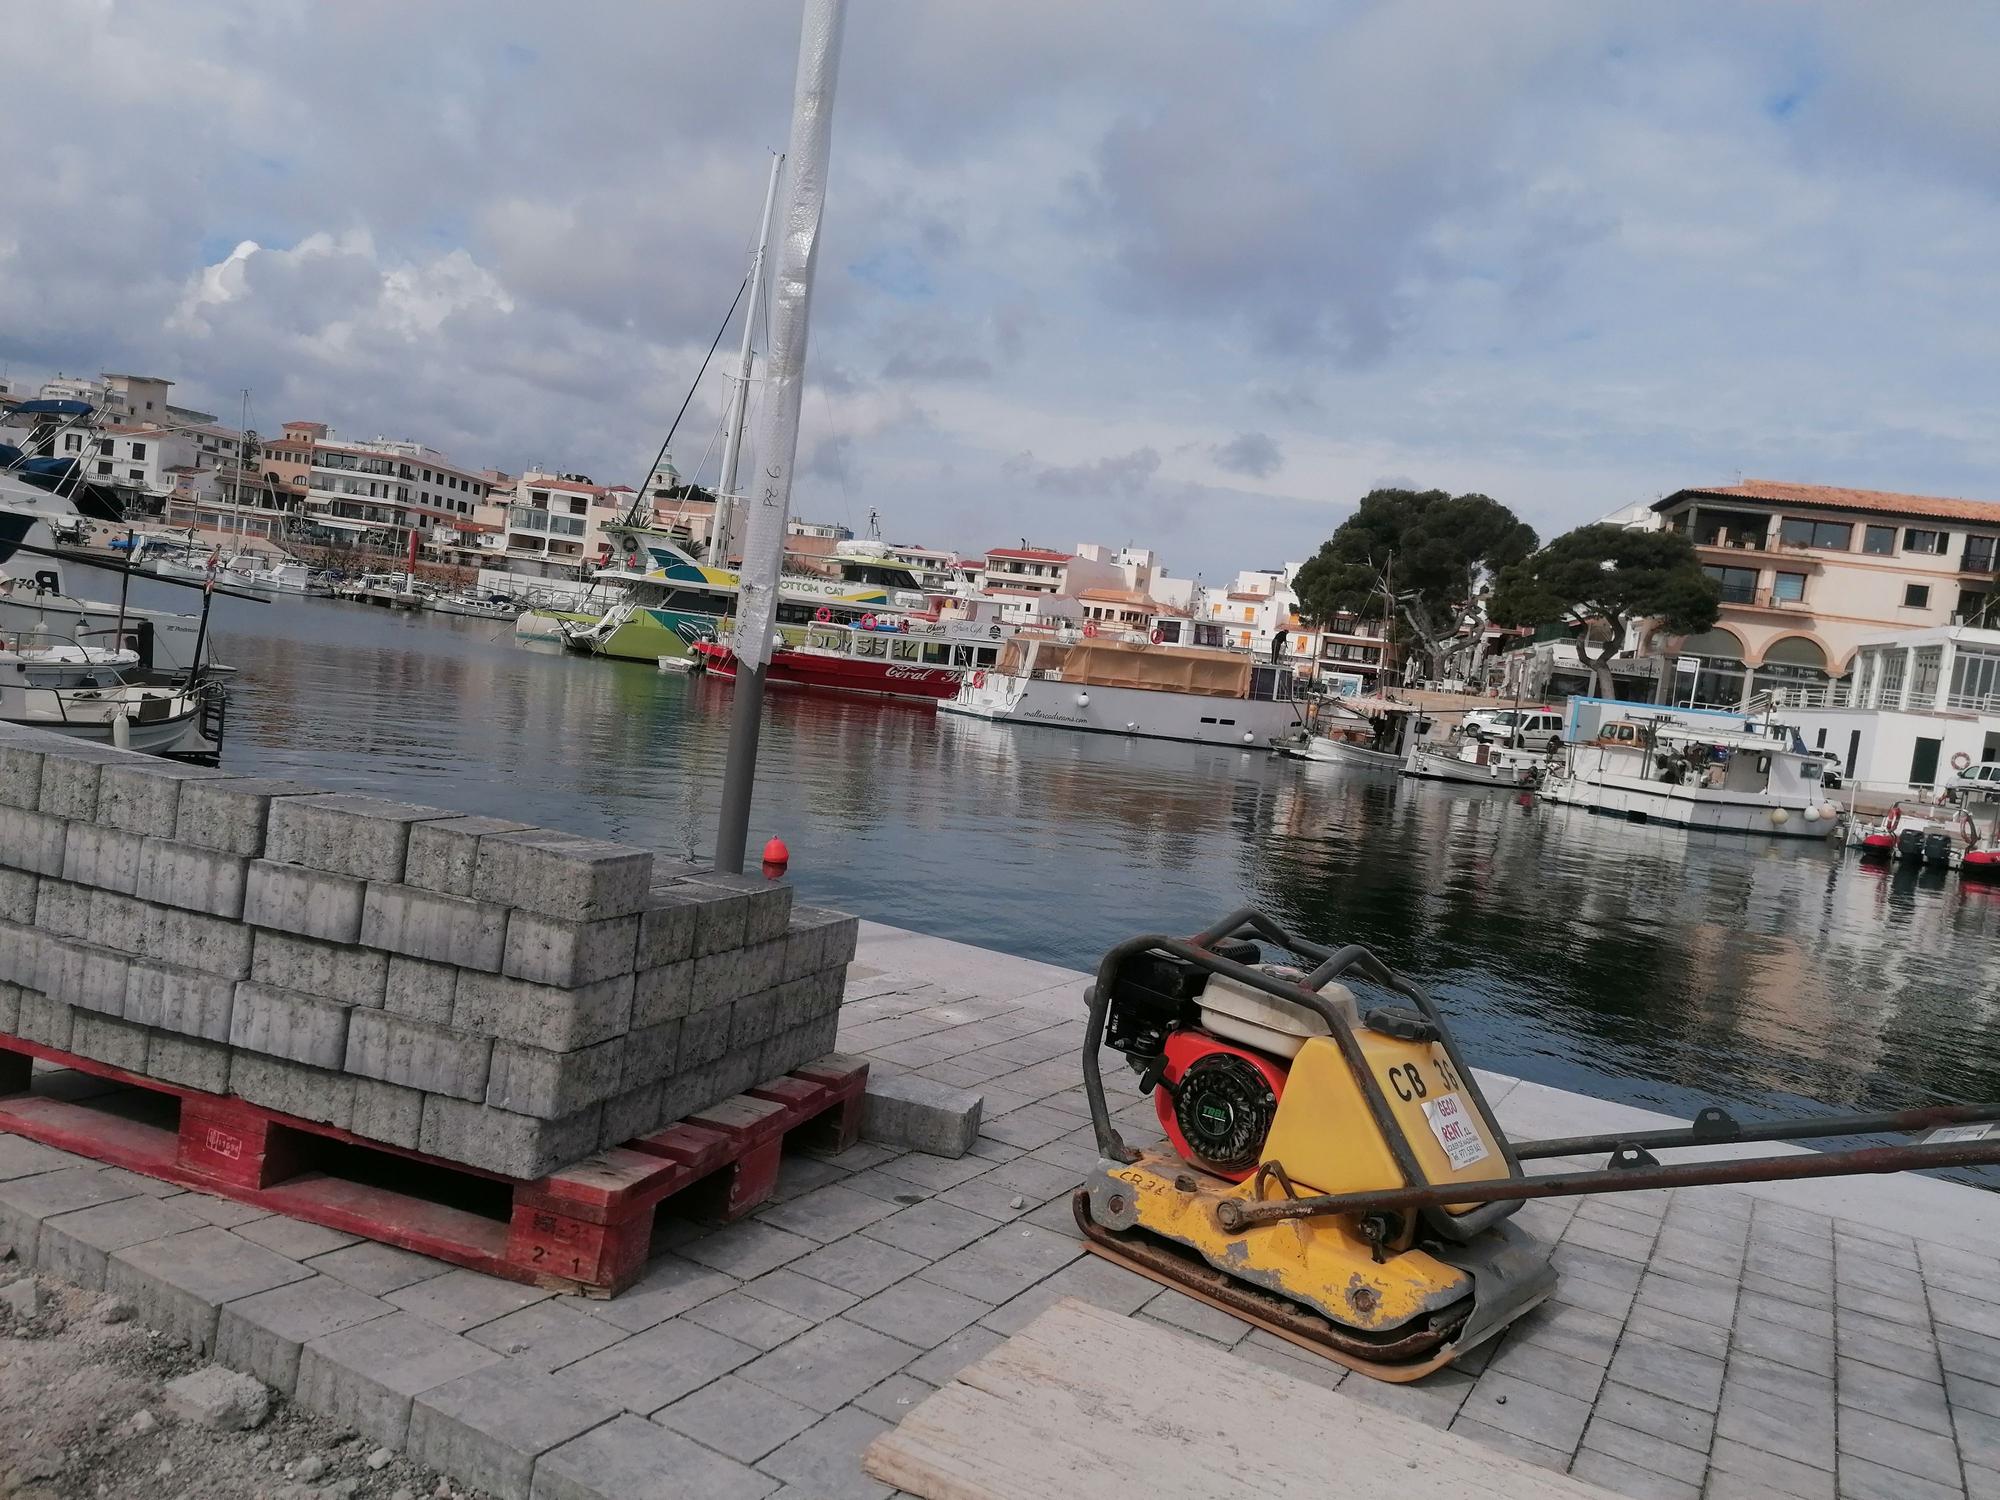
[{"x": 1740, "y": 596}]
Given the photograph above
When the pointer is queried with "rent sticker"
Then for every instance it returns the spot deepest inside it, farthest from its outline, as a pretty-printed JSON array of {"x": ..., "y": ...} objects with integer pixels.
[
  {"x": 1952, "y": 1133},
  {"x": 1451, "y": 1122}
]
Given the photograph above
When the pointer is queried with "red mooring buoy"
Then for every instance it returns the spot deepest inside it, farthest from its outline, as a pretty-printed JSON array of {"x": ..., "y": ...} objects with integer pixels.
[{"x": 776, "y": 857}]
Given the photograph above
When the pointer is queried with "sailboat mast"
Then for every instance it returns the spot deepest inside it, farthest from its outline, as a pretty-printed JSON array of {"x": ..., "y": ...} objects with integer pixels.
[{"x": 739, "y": 400}]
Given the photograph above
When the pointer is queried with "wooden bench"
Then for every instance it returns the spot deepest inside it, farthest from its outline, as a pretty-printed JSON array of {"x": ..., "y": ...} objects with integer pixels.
[{"x": 1083, "y": 1403}]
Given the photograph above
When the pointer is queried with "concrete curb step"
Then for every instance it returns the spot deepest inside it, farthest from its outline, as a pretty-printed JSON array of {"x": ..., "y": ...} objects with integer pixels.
[{"x": 586, "y": 1229}]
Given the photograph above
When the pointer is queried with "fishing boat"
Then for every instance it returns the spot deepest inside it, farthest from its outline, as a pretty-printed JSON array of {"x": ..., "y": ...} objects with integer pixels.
[
  {"x": 1473, "y": 762},
  {"x": 273, "y": 576},
  {"x": 1141, "y": 690},
  {"x": 82, "y": 693},
  {"x": 1920, "y": 832},
  {"x": 1726, "y": 777},
  {"x": 1342, "y": 751},
  {"x": 476, "y": 606}
]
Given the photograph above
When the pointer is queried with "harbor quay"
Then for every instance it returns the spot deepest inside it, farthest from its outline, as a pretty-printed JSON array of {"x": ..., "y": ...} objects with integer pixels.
[{"x": 1836, "y": 1338}]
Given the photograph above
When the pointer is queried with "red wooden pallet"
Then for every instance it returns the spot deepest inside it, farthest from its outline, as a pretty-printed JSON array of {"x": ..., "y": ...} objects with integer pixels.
[{"x": 587, "y": 1228}]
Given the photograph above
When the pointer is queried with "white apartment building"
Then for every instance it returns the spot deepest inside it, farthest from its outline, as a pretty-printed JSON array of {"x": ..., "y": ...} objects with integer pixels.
[
  {"x": 383, "y": 489},
  {"x": 555, "y": 523},
  {"x": 1259, "y": 604},
  {"x": 1141, "y": 570}
]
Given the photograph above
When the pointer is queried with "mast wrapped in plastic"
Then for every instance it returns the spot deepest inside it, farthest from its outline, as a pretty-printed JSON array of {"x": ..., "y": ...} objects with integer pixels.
[{"x": 767, "y": 489}]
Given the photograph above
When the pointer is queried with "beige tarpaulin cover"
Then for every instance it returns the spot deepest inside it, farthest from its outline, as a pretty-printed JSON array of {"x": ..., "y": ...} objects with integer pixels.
[{"x": 1173, "y": 669}]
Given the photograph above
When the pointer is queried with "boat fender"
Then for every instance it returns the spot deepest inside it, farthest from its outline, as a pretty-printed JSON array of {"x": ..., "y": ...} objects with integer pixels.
[
  {"x": 1090, "y": 629},
  {"x": 903, "y": 625},
  {"x": 1960, "y": 761},
  {"x": 1158, "y": 636},
  {"x": 822, "y": 614}
]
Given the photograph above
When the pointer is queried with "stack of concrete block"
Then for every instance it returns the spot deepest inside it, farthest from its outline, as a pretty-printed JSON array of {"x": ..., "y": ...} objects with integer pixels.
[{"x": 507, "y": 997}]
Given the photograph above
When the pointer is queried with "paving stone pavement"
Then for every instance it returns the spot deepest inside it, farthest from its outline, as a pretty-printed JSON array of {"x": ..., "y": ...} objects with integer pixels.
[{"x": 1702, "y": 1343}]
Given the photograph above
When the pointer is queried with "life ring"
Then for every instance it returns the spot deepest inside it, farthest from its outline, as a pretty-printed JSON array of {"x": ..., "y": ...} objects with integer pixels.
[
  {"x": 1158, "y": 636},
  {"x": 979, "y": 679},
  {"x": 822, "y": 614},
  {"x": 1895, "y": 817},
  {"x": 1089, "y": 629},
  {"x": 867, "y": 622},
  {"x": 1960, "y": 761}
]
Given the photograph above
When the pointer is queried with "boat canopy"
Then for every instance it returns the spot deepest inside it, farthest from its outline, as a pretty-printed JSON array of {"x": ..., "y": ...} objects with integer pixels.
[
  {"x": 47, "y": 407},
  {"x": 1099, "y": 663}
]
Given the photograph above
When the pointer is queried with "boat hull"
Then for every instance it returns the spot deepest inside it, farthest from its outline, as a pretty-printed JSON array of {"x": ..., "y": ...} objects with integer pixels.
[
  {"x": 1339, "y": 753},
  {"x": 1685, "y": 808},
  {"x": 1426, "y": 765},
  {"x": 832, "y": 673},
  {"x": 1136, "y": 713}
]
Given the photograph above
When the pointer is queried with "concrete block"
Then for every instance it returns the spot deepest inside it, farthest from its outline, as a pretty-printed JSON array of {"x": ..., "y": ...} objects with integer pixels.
[
  {"x": 550, "y": 950},
  {"x": 632, "y": 1112},
  {"x": 364, "y": 837},
  {"x": 263, "y": 1334},
  {"x": 651, "y": 1054},
  {"x": 763, "y": 966},
  {"x": 17, "y": 896},
  {"x": 919, "y": 1114},
  {"x": 107, "y": 1039},
  {"x": 144, "y": 796},
  {"x": 63, "y": 909},
  {"x": 44, "y": 1020},
  {"x": 487, "y": 1429},
  {"x": 510, "y": 1144},
  {"x": 540, "y": 1015},
  {"x": 180, "y": 1283},
  {"x": 552, "y": 1085},
  {"x": 186, "y": 1001},
  {"x": 20, "y": 776},
  {"x": 443, "y": 853},
  {"x": 666, "y": 927},
  {"x": 175, "y": 874},
  {"x": 293, "y": 1089},
  {"x": 97, "y": 856},
  {"x": 557, "y": 875},
  {"x": 366, "y": 1376},
  {"x": 425, "y": 924},
  {"x": 704, "y": 1036},
  {"x": 432, "y": 1059},
  {"x": 284, "y": 1023},
  {"x": 719, "y": 979},
  {"x": 721, "y": 918},
  {"x": 332, "y": 971},
  {"x": 737, "y": 1071},
  {"x": 633, "y": 1459},
  {"x": 388, "y": 1112},
  {"x": 120, "y": 922},
  {"x": 229, "y": 813},
  {"x": 84, "y": 975},
  {"x": 69, "y": 782},
  {"x": 10, "y": 1008},
  {"x": 690, "y": 1089},
  {"x": 75, "y": 1246},
  {"x": 32, "y": 841},
  {"x": 306, "y": 903},
  {"x": 663, "y": 994},
  {"x": 29, "y": 1202},
  {"x": 753, "y": 1020},
  {"x": 218, "y": 1399},
  {"x": 421, "y": 990},
  {"x": 187, "y": 939},
  {"x": 815, "y": 940},
  {"x": 188, "y": 1061},
  {"x": 21, "y": 955}
]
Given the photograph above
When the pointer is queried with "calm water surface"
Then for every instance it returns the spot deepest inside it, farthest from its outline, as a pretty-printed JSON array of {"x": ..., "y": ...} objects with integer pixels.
[{"x": 1639, "y": 964}]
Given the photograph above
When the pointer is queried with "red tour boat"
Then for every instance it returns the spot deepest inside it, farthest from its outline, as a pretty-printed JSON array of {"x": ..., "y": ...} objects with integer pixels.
[{"x": 919, "y": 663}]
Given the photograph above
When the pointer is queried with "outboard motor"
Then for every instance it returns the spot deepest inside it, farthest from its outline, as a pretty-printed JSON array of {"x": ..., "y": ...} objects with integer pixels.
[
  {"x": 1937, "y": 848},
  {"x": 1910, "y": 844}
]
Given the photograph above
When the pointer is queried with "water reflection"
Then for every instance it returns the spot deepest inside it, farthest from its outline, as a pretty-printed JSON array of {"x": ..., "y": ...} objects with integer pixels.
[{"x": 1653, "y": 965}]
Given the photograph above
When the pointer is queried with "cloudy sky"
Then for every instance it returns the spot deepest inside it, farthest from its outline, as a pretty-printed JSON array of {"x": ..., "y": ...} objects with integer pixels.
[{"x": 1193, "y": 275}]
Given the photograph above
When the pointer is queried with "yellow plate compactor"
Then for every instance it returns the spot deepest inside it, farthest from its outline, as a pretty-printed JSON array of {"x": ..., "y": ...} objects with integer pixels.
[{"x": 1333, "y": 1172}]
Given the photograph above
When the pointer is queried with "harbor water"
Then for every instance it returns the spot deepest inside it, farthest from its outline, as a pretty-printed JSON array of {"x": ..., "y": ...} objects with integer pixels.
[{"x": 1635, "y": 963}]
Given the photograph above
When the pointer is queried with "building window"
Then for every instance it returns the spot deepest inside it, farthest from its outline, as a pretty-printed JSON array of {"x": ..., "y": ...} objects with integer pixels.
[
  {"x": 138, "y": 450},
  {"x": 137, "y": 474},
  {"x": 1880, "y": 540},
  {"x": 1924, "y": 679},
  {"x": 1734, "y": 585},
  {"x": 1789, "y": 587},
  {"x": 1978, "y": 554},
  {"x": 1916, "y": 596},
  {"x": 1831, "y": 536},
  {"x": 1931, "y": 542}
]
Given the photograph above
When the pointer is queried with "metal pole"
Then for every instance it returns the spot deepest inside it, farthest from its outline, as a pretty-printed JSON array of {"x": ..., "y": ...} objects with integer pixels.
[
  {"x": 200, "y": 637},
  {"x": 778, "y": 415},
  {"x": 739, "y": 401},
  {"x": 125, "y": 584}
]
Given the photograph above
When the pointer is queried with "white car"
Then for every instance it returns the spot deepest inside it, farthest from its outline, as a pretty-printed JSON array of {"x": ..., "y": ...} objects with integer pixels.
[
  {"x": 1981, "y": 778},
  {"x": 1528, "y": 728}
]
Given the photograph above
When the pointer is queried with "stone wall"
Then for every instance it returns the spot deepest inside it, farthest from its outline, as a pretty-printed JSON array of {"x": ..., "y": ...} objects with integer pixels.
[{"x": 503, "y": 996}]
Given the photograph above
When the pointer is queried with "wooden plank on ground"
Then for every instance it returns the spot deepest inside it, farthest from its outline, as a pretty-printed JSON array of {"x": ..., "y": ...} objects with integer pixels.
[{"x": 1086, "y": 1404}]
